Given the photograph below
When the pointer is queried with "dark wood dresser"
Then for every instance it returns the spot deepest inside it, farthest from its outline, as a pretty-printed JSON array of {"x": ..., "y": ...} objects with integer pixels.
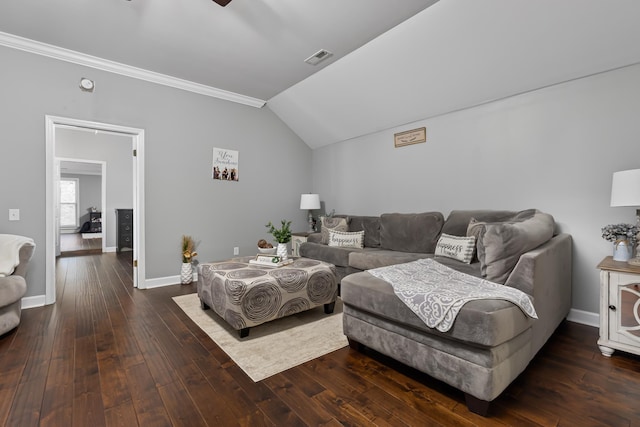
[{"x": 124, "y": 219}]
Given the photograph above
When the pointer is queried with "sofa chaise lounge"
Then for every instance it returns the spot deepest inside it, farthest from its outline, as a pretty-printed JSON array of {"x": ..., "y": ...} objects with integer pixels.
[{"x": 491, "y": 341}]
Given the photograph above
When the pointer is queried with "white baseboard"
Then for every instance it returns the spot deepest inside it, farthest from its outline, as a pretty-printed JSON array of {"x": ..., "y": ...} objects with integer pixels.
[
  {"x": 109, "y": 249},
  {"x": 584, "y": 317},
  {"x": 166, "y": 281},
  {"x": 32, "y": 302}
]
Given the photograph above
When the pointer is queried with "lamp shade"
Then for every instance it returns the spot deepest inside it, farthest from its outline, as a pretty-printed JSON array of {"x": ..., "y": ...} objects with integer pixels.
[
  {"x": 625, "y": 188},
  {"x": 310, "y": 201}
]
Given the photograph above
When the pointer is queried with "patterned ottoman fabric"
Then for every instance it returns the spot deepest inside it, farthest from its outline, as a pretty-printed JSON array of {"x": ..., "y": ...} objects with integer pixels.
[{"x": 247, "y": 295}]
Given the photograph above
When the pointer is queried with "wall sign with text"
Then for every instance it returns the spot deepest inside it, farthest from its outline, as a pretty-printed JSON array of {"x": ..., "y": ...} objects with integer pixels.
[
  {"x": 410, "y": 137},
  {"x": 225, "y": 165}
]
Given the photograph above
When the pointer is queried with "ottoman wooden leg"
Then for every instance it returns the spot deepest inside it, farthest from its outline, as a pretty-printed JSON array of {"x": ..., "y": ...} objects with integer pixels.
[
  {"x": 244, "y": 332},
  {"x": 328, "y": 308},
  {"x": 204, "y": 305}
]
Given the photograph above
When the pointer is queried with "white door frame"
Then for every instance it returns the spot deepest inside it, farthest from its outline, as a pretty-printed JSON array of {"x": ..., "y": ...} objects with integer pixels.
[{"x": 137, "y": 137}]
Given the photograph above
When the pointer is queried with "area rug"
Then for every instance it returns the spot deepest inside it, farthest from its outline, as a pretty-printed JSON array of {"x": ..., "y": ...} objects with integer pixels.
[{"x": 274, "y": 346}]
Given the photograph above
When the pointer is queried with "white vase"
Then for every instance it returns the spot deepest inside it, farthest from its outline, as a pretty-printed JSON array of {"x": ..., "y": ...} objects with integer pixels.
[
  {"x": 282, "y": 251},
  {"x": 186, "y": 273},
  {"x": 622, "y": 250}
]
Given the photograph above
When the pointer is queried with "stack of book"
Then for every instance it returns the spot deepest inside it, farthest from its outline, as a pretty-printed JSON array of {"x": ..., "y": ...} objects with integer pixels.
[{"x": 270, "y": 261}]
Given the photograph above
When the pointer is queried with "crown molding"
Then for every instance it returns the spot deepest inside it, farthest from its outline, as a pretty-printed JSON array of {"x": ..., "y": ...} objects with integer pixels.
[{"x": 67, "y": 55}]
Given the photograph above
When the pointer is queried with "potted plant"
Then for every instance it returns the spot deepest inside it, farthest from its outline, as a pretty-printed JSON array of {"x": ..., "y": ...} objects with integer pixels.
[
  {"x": 282, "y": 235},
  {"x": 623, "y": 237},
  {"x": 186, "y": 273}
]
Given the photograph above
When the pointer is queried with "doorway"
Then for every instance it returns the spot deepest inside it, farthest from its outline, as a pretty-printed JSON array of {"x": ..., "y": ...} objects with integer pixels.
[
  {"x": 87, "y": 191},
  {"x": 58, "y": 125}
]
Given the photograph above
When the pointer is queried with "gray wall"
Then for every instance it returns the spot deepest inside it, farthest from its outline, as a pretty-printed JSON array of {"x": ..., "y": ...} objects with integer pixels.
[
  {"x": 90, "y": 187},
  {"x": 181, "y": 128},
  {"x": 116, "y": 151},
  {"x": 554, "y": 149}
]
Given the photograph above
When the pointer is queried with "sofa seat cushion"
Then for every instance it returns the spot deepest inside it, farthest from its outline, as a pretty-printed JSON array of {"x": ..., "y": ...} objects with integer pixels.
[
  {"x": 336, "y": 255},
  {"x": 375, "y": 258},
  {"x": 482, "y": 322},
  {"x": 410, "y": 232}
]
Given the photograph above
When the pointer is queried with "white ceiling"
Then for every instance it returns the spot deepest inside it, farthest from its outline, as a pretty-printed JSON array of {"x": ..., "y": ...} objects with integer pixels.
[
  {"x": 255, "y": 48},
  {"x": 395, "y": 61},
  {"x": 458, "y": 54},
  {"x": 80, "y": 168}
]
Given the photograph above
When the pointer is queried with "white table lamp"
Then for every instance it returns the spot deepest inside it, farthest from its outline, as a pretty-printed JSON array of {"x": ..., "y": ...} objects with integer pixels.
[
  {"x": 625, "y": 191},
  {"x": 310, "y": 202}
]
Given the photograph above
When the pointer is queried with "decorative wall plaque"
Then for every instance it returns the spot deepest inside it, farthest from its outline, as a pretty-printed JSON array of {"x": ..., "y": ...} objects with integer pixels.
[{"x": 410, "y": 137}]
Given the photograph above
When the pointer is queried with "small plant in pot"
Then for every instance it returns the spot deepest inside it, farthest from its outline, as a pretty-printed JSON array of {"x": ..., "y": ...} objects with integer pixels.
[{"x": 282, "y": 235}]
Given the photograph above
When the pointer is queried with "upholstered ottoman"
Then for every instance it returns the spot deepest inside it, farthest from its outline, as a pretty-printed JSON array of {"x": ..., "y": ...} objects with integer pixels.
[{"x": 246, "y": 295}]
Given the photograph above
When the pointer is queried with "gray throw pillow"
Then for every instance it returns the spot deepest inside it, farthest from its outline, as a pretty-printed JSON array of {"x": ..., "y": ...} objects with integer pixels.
[{"x": 501, "y": 244}]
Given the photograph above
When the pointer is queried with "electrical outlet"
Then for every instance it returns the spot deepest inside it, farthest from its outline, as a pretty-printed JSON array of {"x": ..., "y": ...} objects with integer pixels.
[
  {"x": 14, "y": 214},
  {"x": 236, "y": 251}
]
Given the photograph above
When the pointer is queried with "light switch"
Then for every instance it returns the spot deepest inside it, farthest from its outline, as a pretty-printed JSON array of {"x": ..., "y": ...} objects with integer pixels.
[{"x": 14, "y": 214}]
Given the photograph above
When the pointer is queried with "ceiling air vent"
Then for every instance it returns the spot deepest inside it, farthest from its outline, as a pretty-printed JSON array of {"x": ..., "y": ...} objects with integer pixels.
[{"x": 318, "y": 57}]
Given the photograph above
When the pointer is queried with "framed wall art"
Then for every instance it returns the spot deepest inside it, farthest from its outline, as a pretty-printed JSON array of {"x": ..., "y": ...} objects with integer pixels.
[{"x": 225, "y": 165}]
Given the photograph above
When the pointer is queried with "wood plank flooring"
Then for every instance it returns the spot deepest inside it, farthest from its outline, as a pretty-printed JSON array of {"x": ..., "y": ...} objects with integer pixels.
[
  {"x": 72, "y": 244},
  {"x": 106, "y": 354}
]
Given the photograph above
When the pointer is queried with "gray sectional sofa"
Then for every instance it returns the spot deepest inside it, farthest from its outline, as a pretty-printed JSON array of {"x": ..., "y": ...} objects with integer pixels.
[{"x": 491, "y": 341}]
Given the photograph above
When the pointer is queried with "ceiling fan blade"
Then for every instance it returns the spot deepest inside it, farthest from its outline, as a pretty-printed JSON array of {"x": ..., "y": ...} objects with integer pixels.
[{"x": 222, "y": 3}]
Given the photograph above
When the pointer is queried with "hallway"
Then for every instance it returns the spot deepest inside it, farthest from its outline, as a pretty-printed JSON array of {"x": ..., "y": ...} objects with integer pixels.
[{"x": 72, "y": 244}]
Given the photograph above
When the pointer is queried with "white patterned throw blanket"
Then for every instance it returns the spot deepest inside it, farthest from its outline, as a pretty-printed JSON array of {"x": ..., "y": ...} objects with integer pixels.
[{"x": 436, "y": 293}]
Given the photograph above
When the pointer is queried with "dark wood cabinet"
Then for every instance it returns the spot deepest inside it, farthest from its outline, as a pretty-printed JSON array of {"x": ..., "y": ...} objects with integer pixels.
[
  {"x": 95, "y": 222},
  {"x": 124, "y": 220}
]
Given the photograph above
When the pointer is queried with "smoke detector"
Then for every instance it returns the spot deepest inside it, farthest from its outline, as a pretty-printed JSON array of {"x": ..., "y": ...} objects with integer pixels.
[{"x": 318, "y": 57}]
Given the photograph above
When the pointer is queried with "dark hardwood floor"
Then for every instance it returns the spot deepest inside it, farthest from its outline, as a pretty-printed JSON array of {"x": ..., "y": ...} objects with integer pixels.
[
  {"x": 108, "y": 354},
  {"x": 72, "y": 244}
]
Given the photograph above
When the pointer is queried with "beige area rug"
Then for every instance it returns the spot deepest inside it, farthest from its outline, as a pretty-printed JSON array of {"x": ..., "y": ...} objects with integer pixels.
[{"x": 274, "y": 346}]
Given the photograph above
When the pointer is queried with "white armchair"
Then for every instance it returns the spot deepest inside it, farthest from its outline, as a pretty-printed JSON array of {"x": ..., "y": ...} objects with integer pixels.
[{"x": 15, "y": 253}]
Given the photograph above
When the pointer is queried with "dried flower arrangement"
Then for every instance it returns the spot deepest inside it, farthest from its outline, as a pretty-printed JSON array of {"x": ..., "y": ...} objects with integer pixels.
[{"x": 187, "y": 249}]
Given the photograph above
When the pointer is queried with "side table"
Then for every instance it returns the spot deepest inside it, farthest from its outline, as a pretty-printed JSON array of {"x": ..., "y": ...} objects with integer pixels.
[
  {"x": 619, "y": 307},
  {"x": 296, "y": 240}
]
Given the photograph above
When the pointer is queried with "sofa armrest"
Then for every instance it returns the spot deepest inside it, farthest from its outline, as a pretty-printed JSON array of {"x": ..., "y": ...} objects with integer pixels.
[
  {"x": 25, "y": 254},
  {"x": 545, "y": 274}
]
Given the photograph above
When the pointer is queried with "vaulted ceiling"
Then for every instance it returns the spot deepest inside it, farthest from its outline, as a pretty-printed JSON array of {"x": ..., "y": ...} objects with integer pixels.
[
  {"x": 255, "y": 48},
  {"x": 394, "y": 61}
]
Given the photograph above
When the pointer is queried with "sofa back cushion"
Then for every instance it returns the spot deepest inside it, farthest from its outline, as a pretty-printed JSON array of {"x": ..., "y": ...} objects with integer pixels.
[
  {"x": 410, "y": 232},
  {"x": 500, "y": 244},
  {"x": 371, "y": 227},
  {"x": 458, "y": 221}
]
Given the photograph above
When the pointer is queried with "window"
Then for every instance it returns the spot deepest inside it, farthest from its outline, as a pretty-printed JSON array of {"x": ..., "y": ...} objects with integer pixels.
[{"x": 68, "y": 202}]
